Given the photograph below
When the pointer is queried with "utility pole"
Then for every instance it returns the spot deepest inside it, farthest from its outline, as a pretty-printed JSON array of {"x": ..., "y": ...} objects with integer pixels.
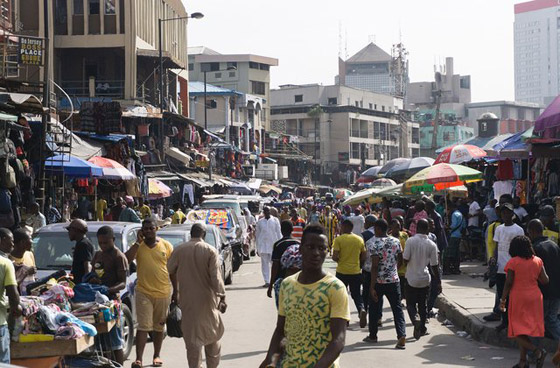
[
  {"x": 438, "y": 106},
  {"x": 161, "y": 101},
  {"x": 46, "y": 118}
]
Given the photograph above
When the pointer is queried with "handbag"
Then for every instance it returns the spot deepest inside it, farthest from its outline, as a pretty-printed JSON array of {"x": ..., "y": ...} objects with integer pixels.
[{"x": 174, "y": 321}]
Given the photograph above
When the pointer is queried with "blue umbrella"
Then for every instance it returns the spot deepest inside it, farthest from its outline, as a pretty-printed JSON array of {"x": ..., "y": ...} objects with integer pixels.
[{"x": 72, "y": 166}]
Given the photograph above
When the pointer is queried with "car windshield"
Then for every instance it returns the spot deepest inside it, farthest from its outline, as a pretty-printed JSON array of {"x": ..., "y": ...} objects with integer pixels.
[
  {"x": 53, "y": 250},
  {"x": 226, "y": 204},
  {"x": 175, "y": 238}
]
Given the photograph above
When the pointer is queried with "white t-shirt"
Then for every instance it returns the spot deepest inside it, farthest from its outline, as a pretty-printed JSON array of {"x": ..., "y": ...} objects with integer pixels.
[
  {"x": 473, "y": 209},
  {"x": 502, "y": 187},
  {"x": 503, "y": 236},
  {"x": 520, "y": 212},
  {"x": 358, "y": 222},
  {"x": 420, "y": 252}
]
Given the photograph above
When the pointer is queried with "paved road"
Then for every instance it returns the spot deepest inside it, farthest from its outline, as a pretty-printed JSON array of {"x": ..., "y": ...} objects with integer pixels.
[{"x": 250, "y": 321}]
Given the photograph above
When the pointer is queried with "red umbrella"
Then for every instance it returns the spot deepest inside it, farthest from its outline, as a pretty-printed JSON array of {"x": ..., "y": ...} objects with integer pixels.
[{"x": 460, "y": 153}]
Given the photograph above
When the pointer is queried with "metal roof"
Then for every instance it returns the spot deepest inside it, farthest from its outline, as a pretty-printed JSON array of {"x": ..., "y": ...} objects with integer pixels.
[
  {"x": 197, "y": 89},
  {"x": 370, "y": 53}
]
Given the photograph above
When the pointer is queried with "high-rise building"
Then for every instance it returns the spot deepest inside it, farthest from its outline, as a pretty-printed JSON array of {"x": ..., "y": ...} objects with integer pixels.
[
  {"x": 536, "y": 51},
  {"x": 369, "y": 69}
]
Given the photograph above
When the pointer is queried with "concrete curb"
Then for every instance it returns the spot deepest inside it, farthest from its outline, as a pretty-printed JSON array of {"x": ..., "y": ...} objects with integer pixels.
[{"x": 465, "y": 321}]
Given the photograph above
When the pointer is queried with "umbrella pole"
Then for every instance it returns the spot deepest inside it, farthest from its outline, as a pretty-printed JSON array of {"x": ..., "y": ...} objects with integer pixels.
[
  {"x": 95, "y": 202},
  {"x": 446, "y": 210}
]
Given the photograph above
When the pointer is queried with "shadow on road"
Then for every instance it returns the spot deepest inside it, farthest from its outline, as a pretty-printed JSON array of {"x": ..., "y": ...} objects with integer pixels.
[{"x": 243, "y": 355}]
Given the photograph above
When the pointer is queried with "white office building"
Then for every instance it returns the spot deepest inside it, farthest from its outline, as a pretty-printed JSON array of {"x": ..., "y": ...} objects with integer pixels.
[{"x": 536, "y": 51}]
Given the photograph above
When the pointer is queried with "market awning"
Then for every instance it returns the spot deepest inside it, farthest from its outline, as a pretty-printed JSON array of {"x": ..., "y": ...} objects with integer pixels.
[
  {"x": 486, "y": 143},
  {"x": 113, "y": 138},
  {"x": 176, "y": 154},
  {"x": 193, "y": 177},
  {"x": 268, "y": 188},
  {"x": 550, "y": 118},
  {"x": 162, "y": 175},
  {"x": 513, "y": 147},
  {"x": 254, "y": 183},
  {"x": 20, "y": 103},
  {"x": 72, "y": 166}
]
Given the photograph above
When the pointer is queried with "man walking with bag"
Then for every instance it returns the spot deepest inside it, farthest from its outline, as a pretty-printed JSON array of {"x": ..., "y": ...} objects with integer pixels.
[{"x": 195, "y": 269}]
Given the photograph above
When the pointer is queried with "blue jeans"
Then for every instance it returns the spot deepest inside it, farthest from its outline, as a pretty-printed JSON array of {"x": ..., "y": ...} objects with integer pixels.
[
  {"x": 393, "y": 294},
  {"x": 551, "y": 320},
  {"x": 4, "y": 344},
  {"x": 116, "y": 334}
]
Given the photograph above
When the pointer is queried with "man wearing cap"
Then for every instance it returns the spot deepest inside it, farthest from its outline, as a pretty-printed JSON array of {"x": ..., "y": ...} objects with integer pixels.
[
  {"x": 548, "y": 218},
  {"x": 83, "y": 251},
  {"x": 128, "y": 214},
  {"x": 503, "y": 235}
]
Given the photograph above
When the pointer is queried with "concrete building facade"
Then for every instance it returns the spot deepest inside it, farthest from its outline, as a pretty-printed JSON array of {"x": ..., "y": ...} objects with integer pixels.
[
  {"x": 446, "y": 135},
  {"x": 339, "y": 125},
  {"x": 109, "y": 48},
  {"x": 514, "y": 116},
  {"x": 536, "y": 51},
  {"x": 245, "y": 73},
  {"x": 455, "y": 92}
]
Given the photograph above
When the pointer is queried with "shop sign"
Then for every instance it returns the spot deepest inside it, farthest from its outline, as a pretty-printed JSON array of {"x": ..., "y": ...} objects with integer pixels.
[
  {"x": 201, "y": 163},
  {"x": 31, "y": 51}
]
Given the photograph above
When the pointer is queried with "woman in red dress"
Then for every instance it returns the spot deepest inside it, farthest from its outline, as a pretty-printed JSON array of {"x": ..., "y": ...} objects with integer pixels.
[{"x": 526, "y": 318}]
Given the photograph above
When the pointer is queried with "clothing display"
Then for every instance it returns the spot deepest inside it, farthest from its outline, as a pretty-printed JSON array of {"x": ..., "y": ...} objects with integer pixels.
[{"x": 502, "y": 187}]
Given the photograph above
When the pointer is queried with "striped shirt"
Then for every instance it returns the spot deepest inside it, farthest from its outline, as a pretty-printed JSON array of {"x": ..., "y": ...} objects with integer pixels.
[{"x": 299, "y": 225}]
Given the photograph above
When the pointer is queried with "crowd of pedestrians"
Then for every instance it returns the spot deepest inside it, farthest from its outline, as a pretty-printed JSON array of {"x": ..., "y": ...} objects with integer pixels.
[{"x": 400, "y": 253}]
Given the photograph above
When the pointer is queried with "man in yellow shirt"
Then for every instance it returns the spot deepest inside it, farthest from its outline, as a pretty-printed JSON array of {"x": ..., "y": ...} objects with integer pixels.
[
  {"x": 153, "y": 290},
  {"x": 144, "y": 209},
  {"x": 350, "y": 254},
  {"x": 100, "y": 209},
  {"x": 179, "y": 216},
  {"x": 313, "y": 311}
]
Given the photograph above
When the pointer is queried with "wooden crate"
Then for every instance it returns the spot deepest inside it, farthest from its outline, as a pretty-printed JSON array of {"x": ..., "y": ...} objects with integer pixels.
[
  {"x": 23, "y": 350},
  {"x": 101, "y": 327}
]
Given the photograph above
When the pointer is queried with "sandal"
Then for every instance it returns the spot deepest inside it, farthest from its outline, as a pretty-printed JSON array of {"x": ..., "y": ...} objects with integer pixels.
[
  {"x": 137, "y": 364},
  {"x": 541, "y": 357},
  {"x": 157, "y": 362}
]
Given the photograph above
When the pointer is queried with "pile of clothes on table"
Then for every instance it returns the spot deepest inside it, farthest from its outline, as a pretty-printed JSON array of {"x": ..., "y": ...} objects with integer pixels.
[{"x": 52, "y": 311}]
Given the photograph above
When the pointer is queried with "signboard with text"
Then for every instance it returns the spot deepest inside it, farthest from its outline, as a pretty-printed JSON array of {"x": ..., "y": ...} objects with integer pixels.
[{"x": 31, "y": 51}]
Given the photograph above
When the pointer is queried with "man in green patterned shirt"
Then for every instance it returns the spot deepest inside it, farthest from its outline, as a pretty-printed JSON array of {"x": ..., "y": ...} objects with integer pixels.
[{"x": 313, "y": 311}]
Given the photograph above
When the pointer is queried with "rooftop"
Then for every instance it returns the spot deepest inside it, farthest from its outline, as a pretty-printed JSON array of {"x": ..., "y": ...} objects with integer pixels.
[
  {"x": 505, "y": 103},
  {"x": 370, "y": 53},
  {"x": 201, "y": 50},
  {"x": 197, "y": 88},
  {"x": 535, "y": 5}
]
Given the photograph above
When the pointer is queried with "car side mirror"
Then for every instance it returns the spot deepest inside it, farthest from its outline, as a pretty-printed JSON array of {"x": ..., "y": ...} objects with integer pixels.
[{"x": 132, "y": 267}]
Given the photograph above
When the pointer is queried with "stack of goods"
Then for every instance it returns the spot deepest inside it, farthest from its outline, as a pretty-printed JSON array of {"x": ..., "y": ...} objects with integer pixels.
[
  {"x": 46, "y": 317},
  {"x": 101, "y": 117}
]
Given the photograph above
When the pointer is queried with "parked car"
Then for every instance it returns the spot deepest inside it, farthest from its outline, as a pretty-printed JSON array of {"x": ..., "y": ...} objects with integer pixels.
[
  {"x": 177, "y": 234},
  {"x": 228, "y": 222},
  {"x": 232, "y": 202},
  {"x": 53, "y": 251}
]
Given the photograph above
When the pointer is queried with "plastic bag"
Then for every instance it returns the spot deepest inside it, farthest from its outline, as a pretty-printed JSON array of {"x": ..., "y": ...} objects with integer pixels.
[{"x": 174, "y": 321}]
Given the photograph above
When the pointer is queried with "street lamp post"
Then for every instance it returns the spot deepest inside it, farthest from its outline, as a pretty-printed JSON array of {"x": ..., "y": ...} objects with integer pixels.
[{"x": 160, "y": 41}]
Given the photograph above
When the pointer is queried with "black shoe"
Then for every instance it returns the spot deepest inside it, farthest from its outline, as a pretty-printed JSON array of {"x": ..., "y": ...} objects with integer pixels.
[
  {"x": 501, "y": 327},
  {"x": 492, "y": 317},
  {"x": 417, "y": 331}
]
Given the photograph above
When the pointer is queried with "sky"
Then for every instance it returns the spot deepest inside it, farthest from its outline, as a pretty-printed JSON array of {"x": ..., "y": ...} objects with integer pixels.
[{"x": 306, "y": 36}]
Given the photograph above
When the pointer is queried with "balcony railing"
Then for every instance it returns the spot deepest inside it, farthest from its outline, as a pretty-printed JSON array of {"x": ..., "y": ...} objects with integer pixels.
[{"x": 101, "y": 88}]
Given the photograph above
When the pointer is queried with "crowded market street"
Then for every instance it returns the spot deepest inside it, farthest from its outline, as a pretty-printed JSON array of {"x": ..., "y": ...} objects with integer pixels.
[{"x": 251, "y": 317}]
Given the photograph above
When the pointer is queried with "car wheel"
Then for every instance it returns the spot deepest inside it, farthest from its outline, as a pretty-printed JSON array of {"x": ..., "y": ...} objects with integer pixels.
[{"x": 128, "y": 331}]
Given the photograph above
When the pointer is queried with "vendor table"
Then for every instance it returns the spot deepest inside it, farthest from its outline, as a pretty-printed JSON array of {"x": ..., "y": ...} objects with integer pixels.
[{"x": 55, "y": 348}]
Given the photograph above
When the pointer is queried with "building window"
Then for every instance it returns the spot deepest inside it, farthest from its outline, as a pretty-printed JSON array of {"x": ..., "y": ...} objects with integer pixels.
[
  {"x": 449, "y": 136},
  {"x": 78, "y": 7},
  {"x": 209, "y": 67},
  {"x": 298, "y": 98},
  {"x": 258, "y": 88},
  {"x": 191, "y": 67},
  {"x": 382, "y": 108},
  {"x": 264, "y": 67},
  {"x": 218, "y": 75},
  {"x": 361, "y": 103},
  {"x": 357, "y": 103},
  {"x": 375, "y": 106},
  {"x": 110, "y": 7},
  {"x": 231, "y": 74},
  {"x": 211, "y": 104},
  {"x": 371, "y": 106},
  {"x": 231, "y": 64},
  {"x": 332, "y": 101},
  {"x": 93, "y": 6},
  {"x": 253, "y": 65},
  {"x": 355, "y": 150}
]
